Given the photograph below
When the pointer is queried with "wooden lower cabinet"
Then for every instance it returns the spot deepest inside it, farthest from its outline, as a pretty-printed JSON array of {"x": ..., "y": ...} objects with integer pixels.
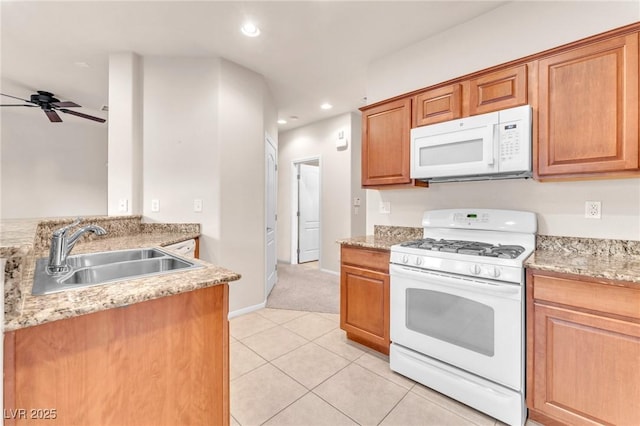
[
  {"x": 583, "y": 351},
  {"x": 364, "y": 296},
  {"x": 160, "y": 362}
]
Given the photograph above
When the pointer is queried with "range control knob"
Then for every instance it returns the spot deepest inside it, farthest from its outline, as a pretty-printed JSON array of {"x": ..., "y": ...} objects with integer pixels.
[
  {"x": 418, "y": 261},
  {"x": 405, "y": 259},
  {"x": 493, "y": 272},
  {"x": 475, "y": 269}
]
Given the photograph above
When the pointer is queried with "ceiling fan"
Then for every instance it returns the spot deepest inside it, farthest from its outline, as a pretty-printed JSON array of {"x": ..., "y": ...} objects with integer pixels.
[{"x": 49, "y": 104}]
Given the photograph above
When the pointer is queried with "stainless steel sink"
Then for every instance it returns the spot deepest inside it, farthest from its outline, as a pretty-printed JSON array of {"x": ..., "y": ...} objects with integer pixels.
[
  {"x": 94, "y": 269},
  {"x": 107, "y": 257}
]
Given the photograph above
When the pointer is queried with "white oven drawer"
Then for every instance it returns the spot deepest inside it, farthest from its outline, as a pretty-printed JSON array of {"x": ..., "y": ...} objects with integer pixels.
[{"x": 473, "y": 324}]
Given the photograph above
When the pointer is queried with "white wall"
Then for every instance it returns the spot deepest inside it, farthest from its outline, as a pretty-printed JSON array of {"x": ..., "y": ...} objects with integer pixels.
[
  {"x": 358, "y": 213},
  {"x": 181, "y": 158},
  {"x": 51, "y": 169},
  {"x": 319, "y": 140},
  {"x": 512, "y": 31},
  {"x": 125, "y": 133},
  {"x": 204, "y": 129},
  {"x": 244, "y": 103}
]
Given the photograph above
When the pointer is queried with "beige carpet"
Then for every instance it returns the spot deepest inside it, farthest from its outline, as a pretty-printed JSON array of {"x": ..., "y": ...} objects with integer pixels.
[{"x": 305, "y": 288}]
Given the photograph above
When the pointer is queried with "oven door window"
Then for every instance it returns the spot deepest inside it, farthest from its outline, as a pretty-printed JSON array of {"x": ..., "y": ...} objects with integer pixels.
[{"x": 452, "y": 319}]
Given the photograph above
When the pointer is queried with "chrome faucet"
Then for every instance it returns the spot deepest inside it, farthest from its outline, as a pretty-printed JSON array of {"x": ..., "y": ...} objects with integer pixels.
[{"x": 61, "y": 245}]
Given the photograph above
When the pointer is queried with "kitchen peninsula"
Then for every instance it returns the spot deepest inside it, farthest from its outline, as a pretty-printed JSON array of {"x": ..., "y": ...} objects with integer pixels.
[{"x": 148, "y": 350}]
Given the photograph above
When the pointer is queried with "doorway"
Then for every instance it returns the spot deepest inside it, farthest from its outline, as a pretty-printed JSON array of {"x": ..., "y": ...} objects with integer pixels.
[
  {"x": 306, "y": 224},
  {"x": 271, "y": 216}
]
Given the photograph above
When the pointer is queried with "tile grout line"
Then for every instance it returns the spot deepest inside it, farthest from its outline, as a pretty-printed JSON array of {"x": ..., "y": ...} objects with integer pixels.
[
  {"x": 447, "y": 408},
  {"x": 394, "y": 406},
  {"x": 308, "y": 391},
  {"x": 330, "y": 404}
]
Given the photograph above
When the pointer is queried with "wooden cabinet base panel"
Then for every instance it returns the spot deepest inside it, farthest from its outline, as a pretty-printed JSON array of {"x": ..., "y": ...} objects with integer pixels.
[
  {"x": 368, "y": 343},
  {"x": 160, "y": 362},
  {"x": 543, "y": 419}
]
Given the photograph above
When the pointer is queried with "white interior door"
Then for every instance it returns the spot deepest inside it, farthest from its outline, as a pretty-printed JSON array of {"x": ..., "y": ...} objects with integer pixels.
[
  {"x": 271, "y": 215},
  {"x": 309, "y": 213}
]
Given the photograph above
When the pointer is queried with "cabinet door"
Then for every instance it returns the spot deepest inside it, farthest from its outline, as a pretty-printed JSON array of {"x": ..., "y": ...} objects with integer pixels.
[
  {"x": 586, "y": 367},
  {"x": 364, "y": 306},
  {"x": 442, "y": 104},
  {"x": 588, "y": 109},
  {"x": 385, "y": 144},
  {"x": 498, "y": 90}
]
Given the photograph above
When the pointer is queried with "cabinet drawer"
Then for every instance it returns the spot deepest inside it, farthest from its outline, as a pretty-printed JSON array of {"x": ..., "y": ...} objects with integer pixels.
[
  {"x": 365, "y": 258},
  {"x": 605, "y": 298}
]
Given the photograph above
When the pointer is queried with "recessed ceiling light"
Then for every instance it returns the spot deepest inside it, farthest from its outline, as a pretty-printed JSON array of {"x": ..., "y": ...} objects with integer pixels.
[
  {"x": 326, "y": 106},
  {"x": 250, "y": 29},
  {"x": 281, "y": 121}
]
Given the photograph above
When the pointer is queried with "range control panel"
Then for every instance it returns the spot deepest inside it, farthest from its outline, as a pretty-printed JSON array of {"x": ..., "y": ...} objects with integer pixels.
[{"x": 468, "y": 218}]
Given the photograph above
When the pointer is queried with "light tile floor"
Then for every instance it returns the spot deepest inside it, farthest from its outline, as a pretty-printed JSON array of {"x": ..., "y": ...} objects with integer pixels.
[{"x": 297, "y": 368}]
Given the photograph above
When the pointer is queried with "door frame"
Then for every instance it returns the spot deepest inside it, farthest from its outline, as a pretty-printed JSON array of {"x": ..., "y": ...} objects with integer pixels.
[
  {"x": 294, "y": 205},
  {"x": 269, "y": 140}
]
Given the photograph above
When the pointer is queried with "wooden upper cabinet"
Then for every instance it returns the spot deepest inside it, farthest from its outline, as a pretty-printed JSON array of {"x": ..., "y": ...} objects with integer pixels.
[
  {"x": 498, "y": 90},
  {"x": 385, "y": 145},
  {"x": 588, "y": 110},
  {"x": 436, "y": 105}
]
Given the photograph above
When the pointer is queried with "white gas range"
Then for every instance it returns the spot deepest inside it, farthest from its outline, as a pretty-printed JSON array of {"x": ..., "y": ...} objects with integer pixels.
[{"x": 457, "y": 307}]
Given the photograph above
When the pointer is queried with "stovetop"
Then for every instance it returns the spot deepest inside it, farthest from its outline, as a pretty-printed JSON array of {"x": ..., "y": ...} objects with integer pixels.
[{"x": 475, "y": 248}]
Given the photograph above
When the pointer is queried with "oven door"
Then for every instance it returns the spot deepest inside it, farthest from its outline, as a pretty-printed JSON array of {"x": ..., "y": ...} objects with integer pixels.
[
  {"x": 475, "y": 325},
  {"x": 463, "y": 151}
]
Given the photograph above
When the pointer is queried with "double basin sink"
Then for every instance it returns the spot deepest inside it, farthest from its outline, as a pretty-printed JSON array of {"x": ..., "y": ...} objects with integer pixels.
[{"x": 92, "y": 269}]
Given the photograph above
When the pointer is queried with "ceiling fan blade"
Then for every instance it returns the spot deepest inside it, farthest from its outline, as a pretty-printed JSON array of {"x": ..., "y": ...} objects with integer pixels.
[
  {"x": 14, "y": 97},
  {"x": 53, "y": 116},
  {"x": 79, "y": 114},
  {"x": 66, "y": 104},
  {"x": 30, "y": 106}
]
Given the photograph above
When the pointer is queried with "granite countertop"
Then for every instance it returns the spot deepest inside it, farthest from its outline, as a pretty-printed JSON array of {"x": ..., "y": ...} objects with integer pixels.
[
  {"x": 607, "y": 259},
  {"x": 25, "y": 310},
  {"x": 384, "y": 237},
  {"x": 589, "y": 257}
]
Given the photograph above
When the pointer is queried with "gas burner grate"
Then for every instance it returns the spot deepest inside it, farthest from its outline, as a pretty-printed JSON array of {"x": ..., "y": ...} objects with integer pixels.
[{"x": 474, "y": 248}]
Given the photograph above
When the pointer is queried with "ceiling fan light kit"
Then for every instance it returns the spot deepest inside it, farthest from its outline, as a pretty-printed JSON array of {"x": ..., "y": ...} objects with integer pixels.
[{"x": 49, "y": 104}]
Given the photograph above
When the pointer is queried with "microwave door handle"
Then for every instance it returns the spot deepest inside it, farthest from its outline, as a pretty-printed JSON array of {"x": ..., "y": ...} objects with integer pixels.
[{"x": 492, "y": 133}]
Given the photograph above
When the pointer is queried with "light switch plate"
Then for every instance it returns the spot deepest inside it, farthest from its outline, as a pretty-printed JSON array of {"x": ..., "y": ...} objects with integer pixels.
[
  {"x": 123, "y": 205},
  {"x": 197, "y": 205},
  {"x": 385, "y": 207}
]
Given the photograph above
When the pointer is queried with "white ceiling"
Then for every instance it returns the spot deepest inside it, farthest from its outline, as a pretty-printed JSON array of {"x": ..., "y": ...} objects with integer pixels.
[{"x": 310, "y": 52}]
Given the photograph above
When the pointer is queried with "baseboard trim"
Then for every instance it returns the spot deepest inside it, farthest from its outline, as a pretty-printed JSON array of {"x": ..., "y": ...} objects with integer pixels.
[
  {"x": 246, "y": 310},
  {"x": 329, "y": 272}
]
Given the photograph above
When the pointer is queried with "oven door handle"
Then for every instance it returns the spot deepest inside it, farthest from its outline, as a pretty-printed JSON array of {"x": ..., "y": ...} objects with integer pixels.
[{"x": 449, "y": 280}]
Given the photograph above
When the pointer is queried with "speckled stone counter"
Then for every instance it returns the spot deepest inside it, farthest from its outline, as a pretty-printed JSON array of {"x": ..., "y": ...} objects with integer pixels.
[
  {"x": 24, "y": 310},
  {"x": 384, "y": 237},
  {"x": 590, "y": 257}
]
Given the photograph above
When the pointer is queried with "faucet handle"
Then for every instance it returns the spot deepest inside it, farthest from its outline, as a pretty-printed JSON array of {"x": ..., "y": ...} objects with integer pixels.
[{"x": 64, "y": 229}]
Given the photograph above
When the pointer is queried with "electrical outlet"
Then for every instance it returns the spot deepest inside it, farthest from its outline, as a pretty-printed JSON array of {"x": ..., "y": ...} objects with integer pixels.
[
  {"x": 385, "y": 207},
  {"x": 197, "y": 205},
  {"x": 592, "y": 209},
  {"x": 155, "y": 205},
  {"x": 123, "y": 205}
]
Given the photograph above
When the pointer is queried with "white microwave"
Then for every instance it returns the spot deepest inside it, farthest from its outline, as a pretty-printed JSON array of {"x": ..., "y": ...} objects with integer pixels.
[{"x": 496, "y": 145}]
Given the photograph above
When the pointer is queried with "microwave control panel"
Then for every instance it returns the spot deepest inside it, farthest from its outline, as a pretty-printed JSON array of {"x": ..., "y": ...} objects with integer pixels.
[{"x": 514, "y": 147}]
